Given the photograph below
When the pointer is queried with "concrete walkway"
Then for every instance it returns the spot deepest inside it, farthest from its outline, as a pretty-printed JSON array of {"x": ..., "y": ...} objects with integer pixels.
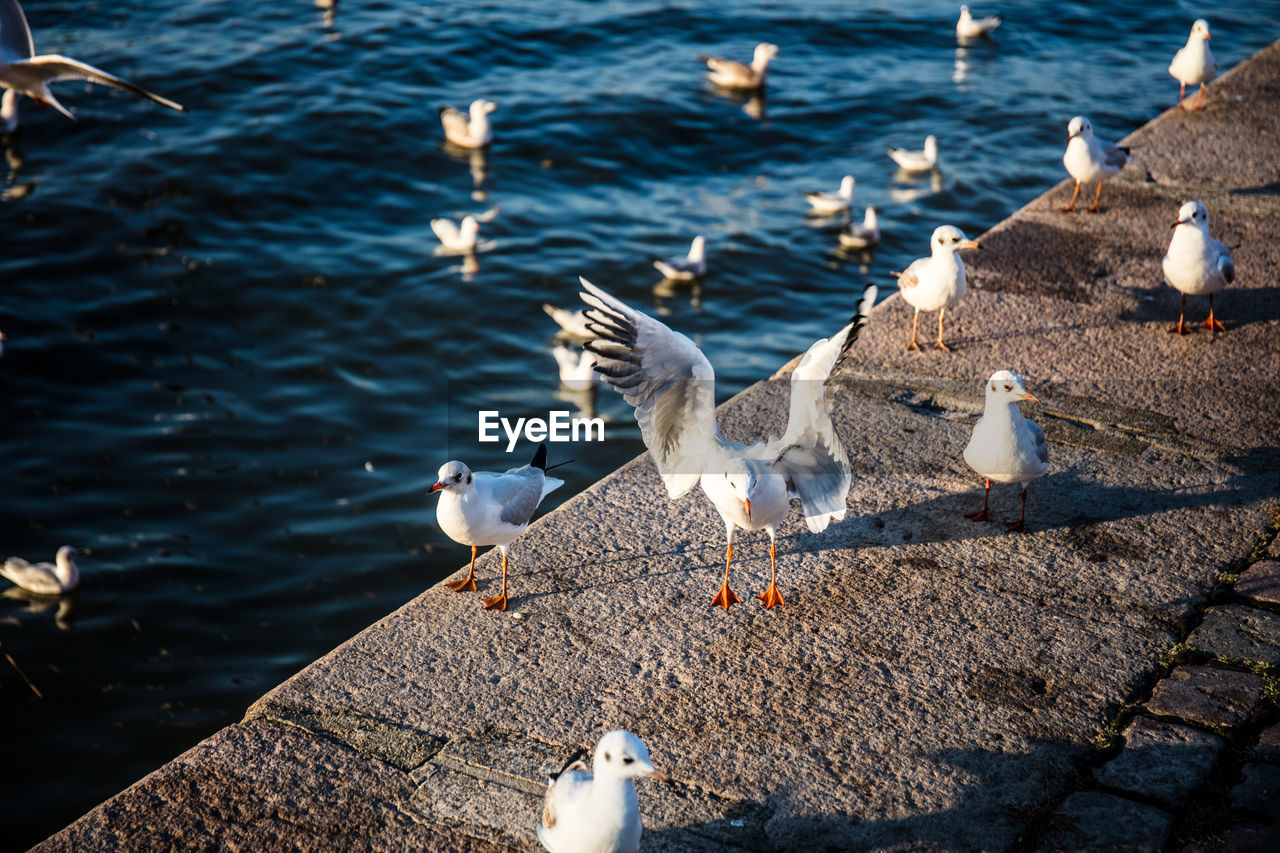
[{"x": 932, "y": 682}]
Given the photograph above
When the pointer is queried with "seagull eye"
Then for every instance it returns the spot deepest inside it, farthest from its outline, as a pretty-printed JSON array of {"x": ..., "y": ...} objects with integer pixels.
[
  {"x": 1008, "y": 387},
  {"x": 628, "y": 760},
  {"x": 457, "y": 476}
]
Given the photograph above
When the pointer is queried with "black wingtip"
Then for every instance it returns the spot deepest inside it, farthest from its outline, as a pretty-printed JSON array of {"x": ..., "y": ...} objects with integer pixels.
[
  {"x": 540, "y": 457},
  {"x": 580, "y": 755}
]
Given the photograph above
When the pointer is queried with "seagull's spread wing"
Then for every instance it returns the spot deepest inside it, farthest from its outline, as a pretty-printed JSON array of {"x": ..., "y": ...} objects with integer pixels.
[
  {"x": 665, "y": 377},
  {"x": 51, "y": 68},
  {"x": 15, "y": 35}
]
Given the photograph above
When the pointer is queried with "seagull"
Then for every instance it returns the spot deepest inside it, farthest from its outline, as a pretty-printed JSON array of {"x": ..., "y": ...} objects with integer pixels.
[
  {"x": 686, "y": 267},
  {"x": 969, "y": 27},
  {"x": 571, "y": 323},
  {"x": 473, "y": 132},
  {"x": 734, "y": 75},
  {"x": 1196, "y": 263},
  {"x": 24, "y": 73},
  {"x": 935, "y": 282},
  {"x": 54, "y": 578},
  {"x": 455, "y": 239},
  {"x": 1194, "y": 63},
  {"x": 836, "y": 202},
  {"x": 484, "y": 508},
  {"x": 864, "y": 236},
  {"x": 576, "y": 368},
  {"x": 597, "y": 811},
  {"x": 1088, "y": 159},
  {"x": 1005, "y": 446},
  {"x": 917, "y": 161},
  {"x": 672, "y": 387}
]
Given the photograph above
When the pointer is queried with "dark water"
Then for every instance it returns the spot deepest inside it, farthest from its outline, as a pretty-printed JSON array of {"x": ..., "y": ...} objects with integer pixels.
[{"x": 234, "y": 363}]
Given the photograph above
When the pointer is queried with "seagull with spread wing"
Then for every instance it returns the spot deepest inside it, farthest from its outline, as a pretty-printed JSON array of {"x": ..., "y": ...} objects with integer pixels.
[
  {"x": 24, "y": 73},
  {"x": 671, "y": 385}
]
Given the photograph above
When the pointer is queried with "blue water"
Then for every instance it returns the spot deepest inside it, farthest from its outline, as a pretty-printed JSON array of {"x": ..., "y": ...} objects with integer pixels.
[{"x": 234, "y": 363}]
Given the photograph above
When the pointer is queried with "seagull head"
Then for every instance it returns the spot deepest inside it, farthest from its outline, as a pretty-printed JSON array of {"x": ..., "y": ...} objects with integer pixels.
[
  {"x": 1193, "y": 213},
  {"x": 698, "y": 248},
  {"x": 765, "y": 52},
  {"x": 481, "y": 107},
  {"x": 1005, "y": 386},
  {"x": 846, "y": 186},
  {"x": 931, "y": 146},
  {"x": 742, "y": 481},
  {"x": 621, "y": 755},
  {"x": 1201, "y": 28},
  {"x": 469, "y": 227},
  {"x": 453, "y": 476},
  {"x": 1079, "y": 126},
  {"x": 66, "y": 568},
  {"x": 948, "y": 238}
]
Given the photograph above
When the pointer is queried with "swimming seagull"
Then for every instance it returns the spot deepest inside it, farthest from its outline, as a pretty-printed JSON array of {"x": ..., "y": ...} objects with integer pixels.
[
  {"x": 969, "y": 27},
  {"x": 597, "y": 811},
  {"x": 455, "y": 239},
  {"x": 917, "y": 161},
  {"x": 672, "y": 387},
  {"x": 935, "y": 282},
  {"x": 54, "y": 578},
  {"x": 1005, "y": 446},
  {"x": 686, "y": 267},
  {"x": 472, "y": 132},
  {"x": 483, "y": 508},
  {"x": 571, "y": 323},
  {"x": 837, "y": 202},
  {"x": 1194, "y": 63},
  {"x": 1196, "y": 263},
  {"x": 577, "y": 371},
  {"x": 24, "y": 73},
  {"x": 734, "y": 75},
  {"x": 1087, "y": 159},
  {"x": 864, "y": 236}
]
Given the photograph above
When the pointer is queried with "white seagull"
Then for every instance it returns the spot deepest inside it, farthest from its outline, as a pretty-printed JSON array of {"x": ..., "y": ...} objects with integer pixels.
[
  {"x": 571, "y": 323},
  {"x": 597, "y": 811},
  {"x": 730, "y": 74},
  {"x": 1196, "y": 263},
  {"x": 864, "y": 236},
  {"x": 484, "y": 508},
  {"x": 472, "y": 132},
  {"x": 969, "y": 27},
  {"x": 1087, "y": 159},
  {"x": 671, "y": 385},
  {"x": 837, "y": 202},
  {"x": 54, "y": 578},
  {"x": 1005, "y": 446},
  {"x": 455, "y": 239},
  {"x": 577, "y": 371},
  {"x": 917, "y": 161},
  {"x": 935, "y": 282},
  {"x": 24, "y": 73},
  {"x": 686, "y": 267},
  {"x": 1194, "y": 63}
]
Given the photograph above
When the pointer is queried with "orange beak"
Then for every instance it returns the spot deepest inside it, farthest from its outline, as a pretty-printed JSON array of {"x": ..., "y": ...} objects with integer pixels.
[
  {"x": 747, "y": 504},
  {"x": 1176, "y": 224},
  {"x": 435, "y": 488},
  {"x": 970, "y": 244},
  {"x": 1025, "y": 396}
]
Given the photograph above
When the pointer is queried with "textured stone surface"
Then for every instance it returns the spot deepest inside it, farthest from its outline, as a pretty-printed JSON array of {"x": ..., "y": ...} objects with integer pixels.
[
  {"x": 1259, "y": 792},
  {"x": 1242, "y": 838},
  {"x": 1268, "y": 747},
  {"x": 1089, "y": 820},
  {"x": 1161, "y": 761},
  {"x": 1212, "y": 697},
  {"x": 1261, "y": 582},
  {"x": 1240, "y": 633}
]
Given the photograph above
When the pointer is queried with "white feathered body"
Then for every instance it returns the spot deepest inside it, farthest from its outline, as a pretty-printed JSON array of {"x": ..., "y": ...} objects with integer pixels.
[
  {"x": 1005, "y": 446},
  {"x": 933, "y": 283},
  {"x": 1088, "y": 162},
  {"x": 1194, "y": 63},
  {"x": 54, "y": 578},
  {"x": 1196, "y": 264},
  {"x": 769, "y": 501},
  {"x": 474, "y": 516},
  {"x": 593, "y": 815}
]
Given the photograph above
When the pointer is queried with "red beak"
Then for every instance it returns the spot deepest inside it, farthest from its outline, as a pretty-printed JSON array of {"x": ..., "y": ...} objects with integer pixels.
[
  {"x": 747, "y": 504},
  {"x": 435, "y": 488}
]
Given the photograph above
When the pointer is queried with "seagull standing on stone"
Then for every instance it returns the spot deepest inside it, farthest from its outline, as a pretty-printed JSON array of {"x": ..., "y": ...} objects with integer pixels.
[
  {"x": 484, "y": 508},
  {"x": 671, "y": 385},
  {"x": 686, "y": 267},
  {"x": 830, "y": 203},
  {"x": 1005, "y": 446},
  {"x": 24, "y": 73},
  {"x": 1194, "y": 63},
  {"x": 938, "y": 281},
  {"x": 969, "y": 27},
  {"x": 917, "y": 161},
  {"x": 730, "y": 74},
  {"x": 1088, "y": 159},
  {"x": 1196, "y": 263},
  {"x": 54, "y": 578},
  {"x": 597, "y": 811},
  {"x": 469, "y": 132},
  {"x": 865, "y": 236},
  {"x": 456, "y": 239}
]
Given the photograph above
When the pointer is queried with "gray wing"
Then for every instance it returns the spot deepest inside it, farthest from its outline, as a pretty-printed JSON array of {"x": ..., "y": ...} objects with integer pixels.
[
  {"x": 518, "y": 492},
  {"x": 665, "y": 377},
  {"x": 51, "y": 68},
  {"x": 1115, "y": 155},
  {"x": 1037, "y": 436},
  {"x": 15, "y": 34},
  {"x": 1226, "y": 266}
]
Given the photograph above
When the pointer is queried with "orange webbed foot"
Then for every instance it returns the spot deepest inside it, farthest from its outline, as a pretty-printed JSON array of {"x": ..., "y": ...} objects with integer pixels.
[
  {"x": 1071, "y": 208},
  {"x": 467, "y": 583},
  {"x": 1019, "y": 526},
  {"x": 1179, "y": 330},
  {"x": 913, "y": 347},
  {"x": 980, "y": 515},
  {"x": 771, "y": 596},
  {"x": 940, "y": 345},
  {"x": 725, "y": 597},
  {"x": 1213, "y": 325},
  {"x": 498, "y": 602}
]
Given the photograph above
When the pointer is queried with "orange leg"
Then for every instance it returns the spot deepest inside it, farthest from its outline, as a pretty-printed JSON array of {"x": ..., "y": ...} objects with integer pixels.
[
  {"x": 1178, "y": 328},
  {"x": 469, "y": 582},
  {"x": 725, "y": 597},
  {"x": 1211, "y": 324},
  {"x": 1182, "y": 94},
  {"x": 983, "y": 514},
  {"x": 940, "y": 345},
  {"x": 1071, "y": 207},
  {"x": 499, "y": 602},
  {"x": 771, "y": 597},
  {"x": 1200, "y": 100},
  {"x": 915, "y": 322},
  {"x": 1097, "y": 197},
  {"x": 1020, "y": 526}
]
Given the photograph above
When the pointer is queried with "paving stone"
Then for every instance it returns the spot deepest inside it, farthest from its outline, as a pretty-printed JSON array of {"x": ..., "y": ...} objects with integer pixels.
[
  {"x": 1261, "y": 581},
  {"x": 1259, "y": 792},
  {"x": 1239, "y": 632},
  {"x": 1268, "y": 748},
  {"x": 1241, "y": 838},
  {"x": 1162, "y": 761},
  {"x": 1213, "y": 697},
  {"x": 1090, "y": 820}
]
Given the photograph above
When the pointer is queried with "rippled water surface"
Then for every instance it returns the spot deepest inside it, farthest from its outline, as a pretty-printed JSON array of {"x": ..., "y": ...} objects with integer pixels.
[{"x": 234, "y": 363}]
